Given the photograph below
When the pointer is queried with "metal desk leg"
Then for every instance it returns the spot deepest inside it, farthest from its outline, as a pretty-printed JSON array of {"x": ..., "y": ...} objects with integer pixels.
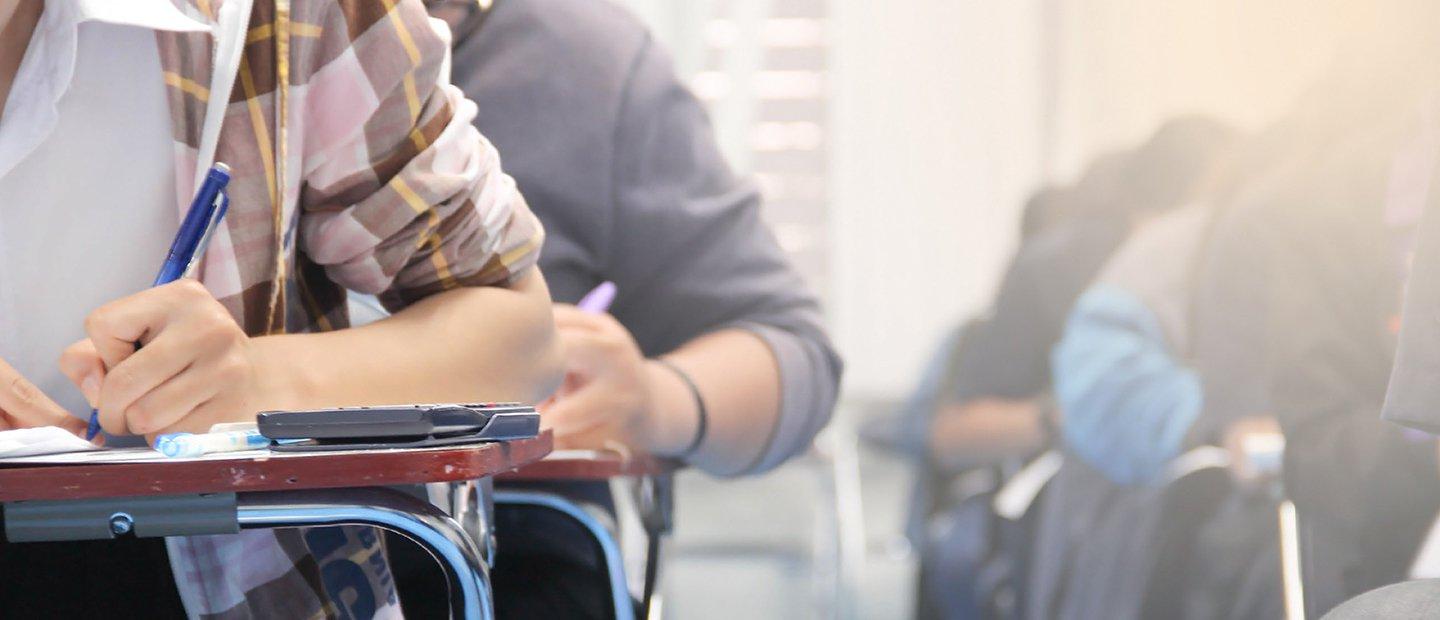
[
  {"x": 840, "y": 547},
  {"x": 470, "y": 503},
  {"x": 609, "y": 547},
  {"x": 428, "y": 526},
  {"x": 655, "y": 500},
  {"x": 1290, "y": 567}
]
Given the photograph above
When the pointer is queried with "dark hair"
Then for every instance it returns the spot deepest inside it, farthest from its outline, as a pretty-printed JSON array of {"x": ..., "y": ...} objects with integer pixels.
[
  {"x": 1176, "y": 164},
  {"x": 1043, "y": 208},
  {"x": 1100, "y": 190}
]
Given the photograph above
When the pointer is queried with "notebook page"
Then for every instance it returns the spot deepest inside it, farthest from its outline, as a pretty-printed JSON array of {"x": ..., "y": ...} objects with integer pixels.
[{"x": 41, "y": 440}]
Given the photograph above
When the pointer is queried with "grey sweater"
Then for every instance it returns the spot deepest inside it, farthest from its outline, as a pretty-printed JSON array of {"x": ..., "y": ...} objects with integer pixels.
[{"x": 617, "y": 158}]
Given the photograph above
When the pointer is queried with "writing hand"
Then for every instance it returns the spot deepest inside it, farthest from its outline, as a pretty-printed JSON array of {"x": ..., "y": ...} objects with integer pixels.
[
  {"x": 611, "y": 392},
  {"x": 195, "y": 367}
]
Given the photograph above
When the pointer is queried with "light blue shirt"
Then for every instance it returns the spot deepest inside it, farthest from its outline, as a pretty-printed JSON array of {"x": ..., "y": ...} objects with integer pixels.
[{"x": 1127, "y": 402}]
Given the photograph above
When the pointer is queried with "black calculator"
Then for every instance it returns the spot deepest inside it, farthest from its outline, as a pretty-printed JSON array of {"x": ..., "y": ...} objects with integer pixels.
[{"x": 389, "y": 426}]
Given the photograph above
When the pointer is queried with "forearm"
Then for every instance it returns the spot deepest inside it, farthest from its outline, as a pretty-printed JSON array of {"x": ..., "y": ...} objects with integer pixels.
[
  {"x": 986, "y": 430},
  {"x": 739, "y": 379},
  {"x": 467, "y": 344}
]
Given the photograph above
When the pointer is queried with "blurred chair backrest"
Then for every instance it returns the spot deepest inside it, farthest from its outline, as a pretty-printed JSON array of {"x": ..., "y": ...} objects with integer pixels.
[{"x": 1197, "y": 489}]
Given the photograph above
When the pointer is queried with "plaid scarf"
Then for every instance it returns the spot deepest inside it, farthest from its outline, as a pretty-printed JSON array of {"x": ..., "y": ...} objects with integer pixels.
[{"x": 355, "y": 167}]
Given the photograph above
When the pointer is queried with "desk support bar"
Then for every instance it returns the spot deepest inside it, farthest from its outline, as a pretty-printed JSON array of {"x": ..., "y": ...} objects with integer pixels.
[
  {"x": 437, "y": 533},
  {"x": 103, "y": 519},
  {"x": 469, "y": 503}
]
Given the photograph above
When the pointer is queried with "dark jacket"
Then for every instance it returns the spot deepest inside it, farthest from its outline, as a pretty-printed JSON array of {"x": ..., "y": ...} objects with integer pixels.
[{"x": 1366, "y": 493}]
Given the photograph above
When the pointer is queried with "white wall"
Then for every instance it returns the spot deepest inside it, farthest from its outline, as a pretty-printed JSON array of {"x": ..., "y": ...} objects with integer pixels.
[
  {"x": 945, "y": 114},
  {"x": 936, "y": 142},
  {"x": 948, "y": 113},
  {"x": 933, "y": 143},
  {"x": 1126, "y": 65}
]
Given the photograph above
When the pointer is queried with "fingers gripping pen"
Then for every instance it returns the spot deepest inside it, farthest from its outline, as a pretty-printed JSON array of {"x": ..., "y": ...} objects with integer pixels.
[{"x": 188, "y": 248}]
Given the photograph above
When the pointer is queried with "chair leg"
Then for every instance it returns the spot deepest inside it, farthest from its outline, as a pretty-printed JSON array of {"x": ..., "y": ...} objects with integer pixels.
[{"x": 1290, "y": 568}]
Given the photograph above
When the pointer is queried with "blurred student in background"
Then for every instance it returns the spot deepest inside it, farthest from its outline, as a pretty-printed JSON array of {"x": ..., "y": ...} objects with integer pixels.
[
  {"x": 713, "y": 352},
  {"x": 1411, "y": 398},
  {"x": 1002, "y": 373},
  {"x": 1334, "y": 231},
  {"x": 1132, "y": 382},
  {"x": 1125, "y": 396},
  {"x": 993, "y": 401},
  {"x": 1366, "y": 492},
  {"x": 1304, "y": 338},
  {"x": 1299, "y": 325},
  {"x": 1002, "y": 370},
  {"x": 984, "y": 406},
  {"x": 970, "y": 413},
  {"x": 1231, "y": 569}
]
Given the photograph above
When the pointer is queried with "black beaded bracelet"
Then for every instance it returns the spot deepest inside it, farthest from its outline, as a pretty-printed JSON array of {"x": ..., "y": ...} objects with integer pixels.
[{"x": 702, "y": 425}]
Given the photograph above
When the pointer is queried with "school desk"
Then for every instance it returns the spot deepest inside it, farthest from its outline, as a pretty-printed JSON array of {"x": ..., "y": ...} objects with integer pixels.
[{"x": 275, "y": 490}]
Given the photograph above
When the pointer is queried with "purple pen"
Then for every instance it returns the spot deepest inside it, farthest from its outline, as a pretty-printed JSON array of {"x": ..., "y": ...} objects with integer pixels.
[{"x": 598, "y": 300}]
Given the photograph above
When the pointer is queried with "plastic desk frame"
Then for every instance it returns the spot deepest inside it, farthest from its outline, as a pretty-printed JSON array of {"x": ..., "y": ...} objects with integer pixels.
[{"x": 105, "y": 501}]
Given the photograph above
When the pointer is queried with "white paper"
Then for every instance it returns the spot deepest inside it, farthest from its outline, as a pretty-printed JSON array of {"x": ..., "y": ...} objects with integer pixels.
[
  {"x": 148, "y": 455},
  {"x": 41, "y": 440},
  {"x": 124, "y": 455}
]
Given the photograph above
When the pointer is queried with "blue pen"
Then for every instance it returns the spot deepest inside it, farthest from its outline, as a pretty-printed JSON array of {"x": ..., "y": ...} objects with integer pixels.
[{"x": 188, "y": 247}]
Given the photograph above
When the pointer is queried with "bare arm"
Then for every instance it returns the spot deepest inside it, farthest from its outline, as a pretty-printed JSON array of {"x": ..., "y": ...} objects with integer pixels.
[
  {"x": 434, "y": 350},
  {"x": 613, "y": 394},
  {"x": 197, "y": 368},
  {"x": 986, "y": 429},
  {"x": 739, "y": 380}
]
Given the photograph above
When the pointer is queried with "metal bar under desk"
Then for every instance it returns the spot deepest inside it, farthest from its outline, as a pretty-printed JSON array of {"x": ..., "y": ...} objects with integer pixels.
[{"x": 440, "y": 535}]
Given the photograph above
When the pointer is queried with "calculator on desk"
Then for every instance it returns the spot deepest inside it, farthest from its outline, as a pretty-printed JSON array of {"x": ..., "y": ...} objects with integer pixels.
[{"x": 398, "y": 426}]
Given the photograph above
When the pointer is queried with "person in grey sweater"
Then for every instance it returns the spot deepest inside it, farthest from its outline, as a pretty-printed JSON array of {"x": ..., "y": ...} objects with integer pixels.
[{"x": 618, "y": 159}]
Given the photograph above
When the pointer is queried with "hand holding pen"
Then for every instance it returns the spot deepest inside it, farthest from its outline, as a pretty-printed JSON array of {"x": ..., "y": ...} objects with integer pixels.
[
  {"x": 608, "y": 395},
  {"x": 195, "y": 366},
  {"x": 612, "y": 393},
  {"x": 170, "y": 358},
  {"x": 23, "y": 405}
]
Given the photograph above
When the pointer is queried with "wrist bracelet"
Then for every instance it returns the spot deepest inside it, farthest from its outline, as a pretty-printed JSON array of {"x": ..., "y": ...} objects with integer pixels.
[{"x": 702, "y": 425}]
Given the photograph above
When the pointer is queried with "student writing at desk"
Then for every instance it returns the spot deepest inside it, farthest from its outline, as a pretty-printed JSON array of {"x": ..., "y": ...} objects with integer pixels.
[
  {"x": 358, "y": 171},
  {"x": 618, "y": 159}
]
